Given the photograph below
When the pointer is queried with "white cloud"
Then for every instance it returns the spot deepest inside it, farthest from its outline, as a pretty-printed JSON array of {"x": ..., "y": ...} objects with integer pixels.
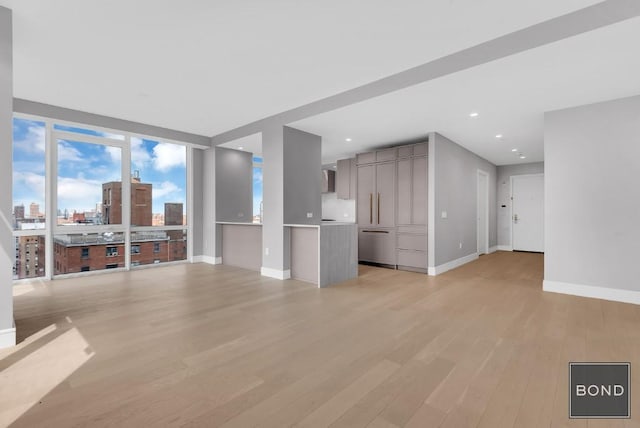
[
  {"x": 115, "y": 153},
  {"x": 164, "y": 189},
  {"x": 33, "y": 182},
  {"x": 34, "y": 140},
  {"x": 167, "y": 156},
  {"x": 139, "y": 155},
  {"x": 66, "y": 152},
  {"x": 78, "y": 193}
]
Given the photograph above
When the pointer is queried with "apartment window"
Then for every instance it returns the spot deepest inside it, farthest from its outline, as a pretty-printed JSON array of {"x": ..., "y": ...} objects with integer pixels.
[
  {"x": 111, "y": 266},
  {"x": 88, "y": 197},
  {"x": 85, "y": 268},
  {"x": 159, "y": 183},
  {"x": 257, "y": 190}
]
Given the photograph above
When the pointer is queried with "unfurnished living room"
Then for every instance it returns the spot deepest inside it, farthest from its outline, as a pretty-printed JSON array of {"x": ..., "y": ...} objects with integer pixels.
[{"x": 336, "y": 213}]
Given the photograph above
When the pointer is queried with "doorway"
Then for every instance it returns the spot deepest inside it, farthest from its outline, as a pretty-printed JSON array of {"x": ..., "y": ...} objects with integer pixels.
[
  {"x": 482, "y": 211},
  {"x": 527, "y": 212}
]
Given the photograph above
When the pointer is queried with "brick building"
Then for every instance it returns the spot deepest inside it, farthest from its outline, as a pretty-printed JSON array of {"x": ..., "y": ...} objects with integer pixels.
[
  {"x": 29, "y": 257},
  {"x": 98, "y": 251},
  {"x": 141, "y": 200}
]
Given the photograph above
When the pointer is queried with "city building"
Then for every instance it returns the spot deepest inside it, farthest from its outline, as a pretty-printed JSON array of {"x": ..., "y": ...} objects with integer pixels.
[
  {"x": 34, "y": 210},
  {"x": 141, "y": 200},
  {"x": 30, "y": 251},
  {"x": 18, "y": 212}
]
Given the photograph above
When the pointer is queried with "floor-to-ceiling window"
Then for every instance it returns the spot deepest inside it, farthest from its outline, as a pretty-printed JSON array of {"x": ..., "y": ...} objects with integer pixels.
[
  {"x": 72, "y": 213},
  {"x": 257, "y": 190}
]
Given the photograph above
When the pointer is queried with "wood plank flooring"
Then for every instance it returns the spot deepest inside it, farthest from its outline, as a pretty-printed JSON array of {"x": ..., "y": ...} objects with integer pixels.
[{"x": 207, "y": 346}]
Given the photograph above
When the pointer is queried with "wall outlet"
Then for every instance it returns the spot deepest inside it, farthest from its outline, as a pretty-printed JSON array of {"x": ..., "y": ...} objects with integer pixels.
[
  {"x": 240, "y": 215},
  {"x": 266, "y": 251},
  {"x": 444, "y": 214},
  {"x": 461, "y": 245},
  {"x": 345, "y": 215},
  {"x": 309, "y": 215}
]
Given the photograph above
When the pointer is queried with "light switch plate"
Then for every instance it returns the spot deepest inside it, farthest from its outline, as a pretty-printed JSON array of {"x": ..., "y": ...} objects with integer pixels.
[
  {"x": 309, "y": 215},
  {"x": 444, "y": 214}
]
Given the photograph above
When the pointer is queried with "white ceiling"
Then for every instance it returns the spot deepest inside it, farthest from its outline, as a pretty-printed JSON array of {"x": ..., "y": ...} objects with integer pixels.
[
  {"x": 510, "y": 95},
  {"x": 206, "y": 66}
]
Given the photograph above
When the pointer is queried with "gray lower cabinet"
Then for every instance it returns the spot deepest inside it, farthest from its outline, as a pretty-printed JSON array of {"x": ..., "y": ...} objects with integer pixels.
[{"x": 376, "y": 245}]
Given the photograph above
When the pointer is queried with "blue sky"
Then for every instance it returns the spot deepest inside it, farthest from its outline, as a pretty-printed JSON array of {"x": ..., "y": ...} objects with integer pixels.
[
  {"x": 83, "y": 167},
  {"x": 257, "y": 186}
]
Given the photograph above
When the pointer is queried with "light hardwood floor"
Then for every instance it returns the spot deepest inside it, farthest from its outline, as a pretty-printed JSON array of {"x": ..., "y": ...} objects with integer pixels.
[{"x": 200, "y": 345}]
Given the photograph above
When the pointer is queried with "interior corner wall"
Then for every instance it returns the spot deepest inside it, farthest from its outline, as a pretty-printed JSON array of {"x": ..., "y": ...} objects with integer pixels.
[
  {"x": 197, "y": 174},
  {"x": 592, "y": 171},
  {"x": 7, "y": 243},
  {"x": 302, "y": 177},
  {"x": 455, "y": 176},
  {"x": 234, "y": 185},
  {"x": 275, "y": 237},
  {"x": 505, "y": 172}
]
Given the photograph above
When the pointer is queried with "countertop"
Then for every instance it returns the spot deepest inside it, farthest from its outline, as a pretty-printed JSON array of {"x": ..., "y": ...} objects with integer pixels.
[
  {"x": 239, "y": 223},
  {"x": 323, "y": 224}
]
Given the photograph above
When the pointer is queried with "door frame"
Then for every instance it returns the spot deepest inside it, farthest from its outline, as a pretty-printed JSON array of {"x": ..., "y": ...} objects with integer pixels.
[
  {"x": 511, "y": 198},
  {"x": 486, "y": 213}
]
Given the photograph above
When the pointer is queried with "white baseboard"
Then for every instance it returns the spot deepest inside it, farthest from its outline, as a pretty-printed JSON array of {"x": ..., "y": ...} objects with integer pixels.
[
  {"x": 275, "y": 273},
  {"x": 8, "y": 337},
  {"x": 207, "y": 259},
  {"x": 437, "y": 270},
  {"x": 505, "y": 248},
  {"x": 493, "y": 249},
  {"x": 592, "y": 291}
]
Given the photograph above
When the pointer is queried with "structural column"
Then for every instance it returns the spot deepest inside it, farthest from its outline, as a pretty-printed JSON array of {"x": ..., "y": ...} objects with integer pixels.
[
  {"x": 292, "y": 192},
  {"x": 7, "y": 243}
]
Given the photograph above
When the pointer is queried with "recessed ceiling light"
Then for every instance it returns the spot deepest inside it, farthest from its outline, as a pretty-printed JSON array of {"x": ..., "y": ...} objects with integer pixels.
[
  {"x": 499, "y": 136},
  {"x": 514, "y": 150},
  {"x": 522, "y": 156},
  {"x": 473, "y": 114},
  {"x": 347, "y": 139},
  {"x": 240, "y": 148}
]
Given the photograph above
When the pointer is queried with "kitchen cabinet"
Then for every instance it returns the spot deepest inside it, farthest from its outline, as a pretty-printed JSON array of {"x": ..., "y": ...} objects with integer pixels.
[
  {"x": 377, "y": 245},
  {"x": 392, "y": 206},
  {"x": 376, "y": 195},
  {"x": 346, "y": 179}
]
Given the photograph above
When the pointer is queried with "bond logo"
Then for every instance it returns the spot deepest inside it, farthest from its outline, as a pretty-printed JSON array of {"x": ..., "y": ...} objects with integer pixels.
[{"x": 599, "y": 390}]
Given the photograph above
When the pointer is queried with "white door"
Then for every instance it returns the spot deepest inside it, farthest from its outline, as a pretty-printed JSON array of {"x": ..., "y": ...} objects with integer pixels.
[
  {"x": 483, "y": 213},
  {"x": 528, "y": 212}
]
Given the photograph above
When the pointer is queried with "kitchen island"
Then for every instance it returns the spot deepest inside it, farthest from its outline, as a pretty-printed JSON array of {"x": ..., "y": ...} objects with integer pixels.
[{"x": 324, "y": 254}]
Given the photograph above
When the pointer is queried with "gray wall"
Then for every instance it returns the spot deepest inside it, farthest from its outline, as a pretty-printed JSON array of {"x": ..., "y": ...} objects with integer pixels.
[
  {"x": 234, "y": 185},
  {"x": 197, "y": 178},
  {"x": 592, "y": 205},
  {"x": 504, "y": 196},
  {"x": 302, "y": 177},
  {"x": 7, "y": 247},
  {"x": 455, "y": 172}
]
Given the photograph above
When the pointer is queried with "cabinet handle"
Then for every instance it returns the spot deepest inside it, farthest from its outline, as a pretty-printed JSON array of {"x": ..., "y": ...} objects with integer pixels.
[
  {"x": 375, "y": 231},
  {"x": 378, "y": 208},
  {"x": 370, "y": 208}
]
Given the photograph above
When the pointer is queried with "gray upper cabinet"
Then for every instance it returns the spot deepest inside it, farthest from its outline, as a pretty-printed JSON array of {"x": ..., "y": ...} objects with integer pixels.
[
  {"x": 376, "y": 195},
  {"x": 419, "y": 191},
  {"x": 328, "y": 181},
  {"x": 364, "y": 158},
  {"x": 385, "y": 208},
  {"x": 366, "y": 189},
  {"x": 346, "y": 179}
]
